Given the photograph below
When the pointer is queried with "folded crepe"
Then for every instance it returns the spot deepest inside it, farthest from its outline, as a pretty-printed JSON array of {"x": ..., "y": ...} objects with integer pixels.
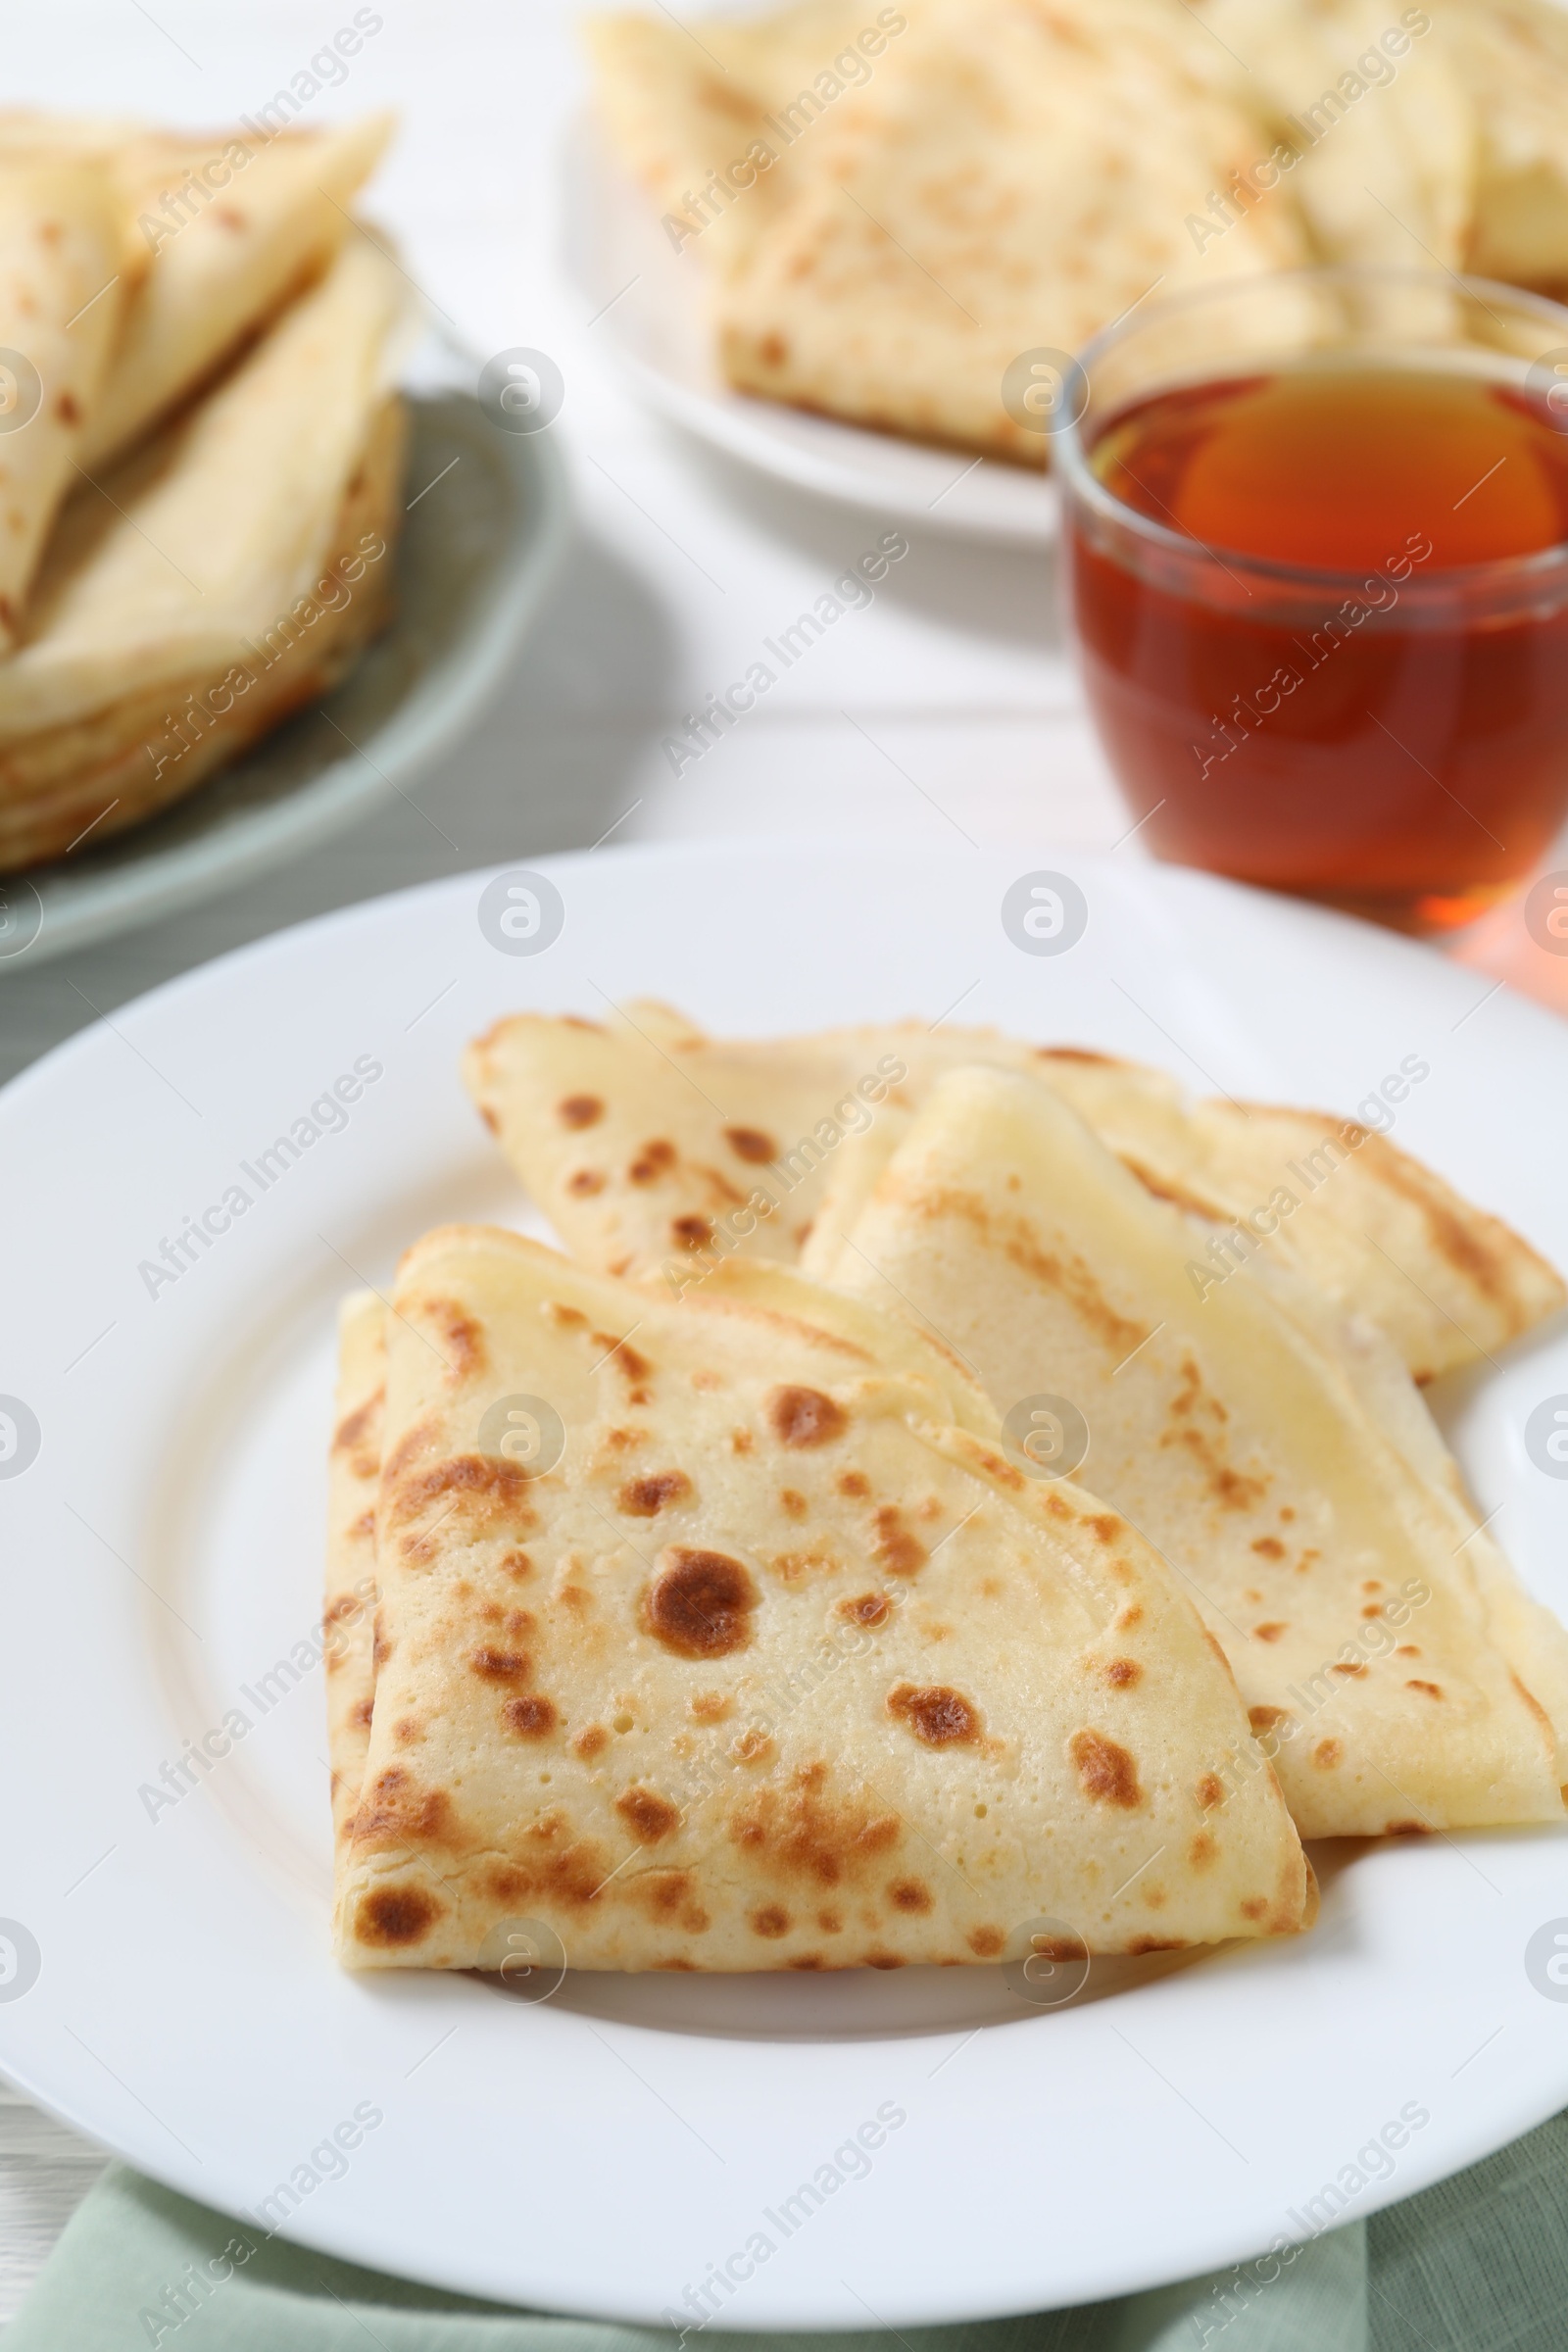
[
  {"x": 693, "y": 113},
  {"x": 59, "y": 312},
  {"x": 137, "y": 157},
  {"x": 216, "y": 232},
  {"x": 1283, "y": 1465},
  {"x": 1326, "y": 1198},
  {"x": 1373, "y": 127},
  {"x": 1013, "y": 179},
  {"x": 897, "y": 209},
  {"x": 225, "y": 574},
  {"x": 722, "y": 1636},
  {"x": 636, "y": 1135},
  {"x": 652, "y": 1148},
  {"x": 237, "y": 226},
  {"x": 1333, "y": 1199},
  {"x": 1512, "y": 56}
]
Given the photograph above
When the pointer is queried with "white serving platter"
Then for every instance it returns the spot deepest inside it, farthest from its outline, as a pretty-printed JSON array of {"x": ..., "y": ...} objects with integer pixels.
[{"x": 164, "y": 1979}]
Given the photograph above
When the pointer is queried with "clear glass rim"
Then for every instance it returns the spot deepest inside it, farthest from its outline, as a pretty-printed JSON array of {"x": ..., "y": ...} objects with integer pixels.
[{"x": 1070, "y": 454}]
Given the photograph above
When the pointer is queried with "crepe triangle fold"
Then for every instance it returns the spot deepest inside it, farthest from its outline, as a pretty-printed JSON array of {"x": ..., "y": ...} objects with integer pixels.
[
  {"x": 1273, "y": 1449},
  {"x": 650, "y": 1145},
  {"x": 722, "y": 1636},
  {"x": 691, "y": 123},
  {"x": 59, "y": 305},
  {"x": 245, "y": 226}
]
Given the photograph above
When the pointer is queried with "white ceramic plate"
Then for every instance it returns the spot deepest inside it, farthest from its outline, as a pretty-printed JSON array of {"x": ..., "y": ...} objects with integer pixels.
[
  {"x": 649, "y": 305},
  {"x": 485, "y": 525},
  {"x": 607, "y": 2149}
]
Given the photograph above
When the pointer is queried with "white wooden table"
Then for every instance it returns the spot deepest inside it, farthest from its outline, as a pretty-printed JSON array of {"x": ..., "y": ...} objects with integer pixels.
[{"x": 945, "y": 708}]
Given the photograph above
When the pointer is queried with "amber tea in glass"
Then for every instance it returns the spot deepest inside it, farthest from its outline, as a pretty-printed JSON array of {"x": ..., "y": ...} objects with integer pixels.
[{"x": 1317, "y": 541}]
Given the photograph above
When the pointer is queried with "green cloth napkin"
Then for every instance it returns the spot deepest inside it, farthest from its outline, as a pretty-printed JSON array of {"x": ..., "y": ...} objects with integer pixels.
[{"x": 1476, "y": 2265}]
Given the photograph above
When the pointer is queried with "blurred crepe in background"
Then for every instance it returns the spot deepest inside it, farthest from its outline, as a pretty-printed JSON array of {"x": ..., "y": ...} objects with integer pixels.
[
  {"x": 1513, "y": 60},
  {"x": 217, "y": 233},
  {"x": 1395, "y": 169},
  {"x": 954, "y": 184},
  {"x": 900, "y": 286},
  {"x": 166, "y": 630},
  {"x": 213, "y": 335},
  {"x": 59, "y": 312},
  {"x": 280, "y": 220}
]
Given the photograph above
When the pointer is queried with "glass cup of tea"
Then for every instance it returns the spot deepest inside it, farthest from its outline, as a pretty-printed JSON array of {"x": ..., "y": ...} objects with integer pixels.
[{"x": 1316, "y": 539}]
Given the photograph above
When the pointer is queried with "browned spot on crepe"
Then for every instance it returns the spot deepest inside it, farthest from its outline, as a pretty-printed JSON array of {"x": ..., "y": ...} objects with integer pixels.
[
  {"x": 1105, "y": 1770},
  {"x": 646, "y": 1498},
  {"x": 700, "y": 1603},
  {"x": 935, "y": 1713},
  {"x": 805, "y": 1416}
]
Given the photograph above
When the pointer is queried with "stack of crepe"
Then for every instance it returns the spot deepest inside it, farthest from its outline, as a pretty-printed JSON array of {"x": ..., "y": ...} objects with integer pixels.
[
  {"x": 893, "y": 207},
  {"x": 200, "y": 456},
  {"x": 735, "y": 1605}
]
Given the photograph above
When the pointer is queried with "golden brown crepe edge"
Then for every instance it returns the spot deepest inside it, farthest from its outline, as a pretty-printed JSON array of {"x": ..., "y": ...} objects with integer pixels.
[{"x": 354, "y": 1476}]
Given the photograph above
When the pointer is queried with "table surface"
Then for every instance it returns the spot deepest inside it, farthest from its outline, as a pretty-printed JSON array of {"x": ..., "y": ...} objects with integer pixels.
[{"x": 945, "y": 708}]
